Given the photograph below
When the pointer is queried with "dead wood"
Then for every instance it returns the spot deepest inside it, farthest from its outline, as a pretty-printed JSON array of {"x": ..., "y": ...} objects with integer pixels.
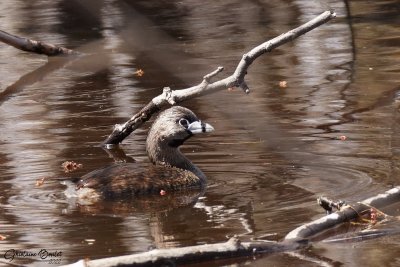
[
  {"x": 345, "y": 214},
  {"x": 168, "y": 97},
  {"x": 172, "y": 97},
  {"x": 33, "y": 46},
  {"x": 193, "y": 254},
  {"x": 296, "y": 239}
]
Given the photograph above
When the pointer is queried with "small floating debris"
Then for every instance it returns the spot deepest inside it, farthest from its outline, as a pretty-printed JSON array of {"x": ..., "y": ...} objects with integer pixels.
[
  {"x": 40, "y": 182},
  {"x": 343, "y": 137},
  {"x": 3, "y": 237},
  {"x": 283, "y": 84},
  {"x": 163, "y": 192},
  {"x": 373, "y": 216},
  {"x": 70, "y": 166},
  {"x": 139, "y": 73},
  {"x": 90, "y": 241}
]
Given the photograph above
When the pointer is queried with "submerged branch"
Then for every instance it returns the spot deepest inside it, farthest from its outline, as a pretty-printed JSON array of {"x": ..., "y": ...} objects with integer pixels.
[
  {"x": 345, "y": 214},
  {"x": 172, "y": 97},
  {"x": 193, "y": 254},
  {"x": 294, "y": 240}
]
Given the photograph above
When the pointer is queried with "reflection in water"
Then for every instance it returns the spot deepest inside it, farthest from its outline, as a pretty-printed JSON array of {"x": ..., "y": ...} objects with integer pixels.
[{"x": 272, "y": 153}]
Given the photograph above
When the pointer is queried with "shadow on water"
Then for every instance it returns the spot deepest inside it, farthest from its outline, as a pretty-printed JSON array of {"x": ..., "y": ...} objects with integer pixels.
[{"x": 333, "y": 130}]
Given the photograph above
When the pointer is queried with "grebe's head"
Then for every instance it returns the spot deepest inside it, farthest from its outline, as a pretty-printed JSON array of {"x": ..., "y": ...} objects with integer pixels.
[{"x": 174, "y": 126}]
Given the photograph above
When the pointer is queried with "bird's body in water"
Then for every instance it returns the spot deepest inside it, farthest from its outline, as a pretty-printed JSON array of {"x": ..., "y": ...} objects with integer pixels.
[{"x": 170, "y": 169}]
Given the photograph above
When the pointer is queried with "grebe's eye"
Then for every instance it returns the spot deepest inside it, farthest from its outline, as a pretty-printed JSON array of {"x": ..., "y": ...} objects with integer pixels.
[{"x": 184, "y": 123}]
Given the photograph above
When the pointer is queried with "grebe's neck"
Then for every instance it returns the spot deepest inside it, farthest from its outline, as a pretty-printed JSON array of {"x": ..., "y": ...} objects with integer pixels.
[{"x": 162, "y": 153}]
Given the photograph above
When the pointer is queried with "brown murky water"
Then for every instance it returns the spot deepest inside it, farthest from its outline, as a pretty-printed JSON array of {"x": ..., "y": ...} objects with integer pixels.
[{"x": 273, "y": 151}]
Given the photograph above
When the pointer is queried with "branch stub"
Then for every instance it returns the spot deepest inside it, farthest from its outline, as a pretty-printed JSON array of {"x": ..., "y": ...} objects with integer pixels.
[{"x": 168, "y": 95}]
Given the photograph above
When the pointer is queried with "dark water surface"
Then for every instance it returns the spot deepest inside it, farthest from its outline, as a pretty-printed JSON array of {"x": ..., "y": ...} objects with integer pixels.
[{"x": 273, "y": 152}]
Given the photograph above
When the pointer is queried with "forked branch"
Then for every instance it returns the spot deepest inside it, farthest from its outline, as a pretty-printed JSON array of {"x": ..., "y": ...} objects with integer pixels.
[{"x": 172, "y": 97}]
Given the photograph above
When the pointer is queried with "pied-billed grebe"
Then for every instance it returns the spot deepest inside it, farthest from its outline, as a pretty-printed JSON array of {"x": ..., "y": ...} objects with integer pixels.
[{"x": 171, "y": 169}]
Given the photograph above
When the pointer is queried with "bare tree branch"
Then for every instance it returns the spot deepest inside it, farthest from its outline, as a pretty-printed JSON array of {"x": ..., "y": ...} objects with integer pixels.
[
  {"x": 193, "y": 254},
  {"x": 172, "y": 97},
  {"x": 296, "y": 239},
  {"x": 346, "y": 213},
  {"x": 38, "y": 47}
]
